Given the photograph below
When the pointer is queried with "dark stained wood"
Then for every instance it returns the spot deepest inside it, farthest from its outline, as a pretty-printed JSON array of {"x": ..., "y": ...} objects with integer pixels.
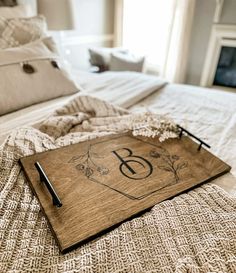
[{"x": 105, "y": 181}]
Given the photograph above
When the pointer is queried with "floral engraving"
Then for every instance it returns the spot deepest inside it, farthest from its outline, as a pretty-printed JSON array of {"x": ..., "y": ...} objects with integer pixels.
[
  {"x": 168, "y": 162},
  {"x": 88, "y": 166}
]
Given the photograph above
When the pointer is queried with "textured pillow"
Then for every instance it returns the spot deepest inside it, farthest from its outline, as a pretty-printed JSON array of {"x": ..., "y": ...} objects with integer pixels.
[
  {"x": 31, "y": 74},
  {"x": 101, "y": 56},
  {"x": 16, "y": 12},
  {"x": 20, "y": 31},
  {"x": 120, "y": 62}
]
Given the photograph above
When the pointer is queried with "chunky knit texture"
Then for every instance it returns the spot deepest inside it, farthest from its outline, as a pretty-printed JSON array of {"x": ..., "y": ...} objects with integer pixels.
[{"x": 194, "y": 232}]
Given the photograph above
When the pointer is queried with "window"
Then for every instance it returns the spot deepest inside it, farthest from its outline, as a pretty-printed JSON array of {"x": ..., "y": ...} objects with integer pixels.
[
  {"x": 158, "y": 29},
  {"x": 147, "y": 26}
]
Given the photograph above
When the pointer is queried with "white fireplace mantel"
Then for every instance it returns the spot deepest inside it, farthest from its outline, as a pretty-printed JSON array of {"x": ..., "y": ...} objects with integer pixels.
[{"x": 221, "y": 35}]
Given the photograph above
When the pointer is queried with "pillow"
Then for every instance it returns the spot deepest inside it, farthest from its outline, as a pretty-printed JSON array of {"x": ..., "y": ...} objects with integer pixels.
[
  {"x": 16, "y": 12},
  {"x": 120, "y": 62},
  {"x": 20, "y": 31},
  {"x": 31, "y": 74},
  {"x": 101, "y": 56}
]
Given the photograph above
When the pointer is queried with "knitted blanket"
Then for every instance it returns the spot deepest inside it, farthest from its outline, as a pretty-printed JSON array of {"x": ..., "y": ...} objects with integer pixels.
[{"x": 194, "y": 232}]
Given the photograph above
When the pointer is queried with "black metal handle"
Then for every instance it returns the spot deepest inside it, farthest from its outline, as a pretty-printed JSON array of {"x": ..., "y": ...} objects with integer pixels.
[
  {"x": 190, "y": 134},
  {"x": 43, "y": 178}
]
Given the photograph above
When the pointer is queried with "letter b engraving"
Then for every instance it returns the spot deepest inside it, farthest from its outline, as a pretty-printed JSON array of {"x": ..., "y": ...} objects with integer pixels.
[{"x": 133, "y": 166}]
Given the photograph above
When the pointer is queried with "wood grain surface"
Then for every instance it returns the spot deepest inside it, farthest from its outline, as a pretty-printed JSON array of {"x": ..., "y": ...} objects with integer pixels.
[{"x": 105, "y": 181}]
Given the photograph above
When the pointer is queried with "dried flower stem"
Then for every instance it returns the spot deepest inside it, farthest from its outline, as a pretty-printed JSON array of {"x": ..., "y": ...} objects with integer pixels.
[{"x": 152, "y": 125}]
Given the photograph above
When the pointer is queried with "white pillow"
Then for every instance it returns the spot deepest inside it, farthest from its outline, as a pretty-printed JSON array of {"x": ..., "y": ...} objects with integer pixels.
[
  {"x": 121, "y": 62},
  {"x": 16, "y": 11},
  {"x": 20, "y": 31},
  {"x": 44, "y": 80},
  {"x": 100, "y": 56}
]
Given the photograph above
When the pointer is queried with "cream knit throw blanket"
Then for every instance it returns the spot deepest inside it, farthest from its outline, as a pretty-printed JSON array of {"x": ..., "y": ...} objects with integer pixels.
[{"x": 194, "y": 232}]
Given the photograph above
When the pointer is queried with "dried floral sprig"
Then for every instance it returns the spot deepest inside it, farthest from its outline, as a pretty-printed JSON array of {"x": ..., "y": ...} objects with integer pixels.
[{"x": 153, "y": 125}]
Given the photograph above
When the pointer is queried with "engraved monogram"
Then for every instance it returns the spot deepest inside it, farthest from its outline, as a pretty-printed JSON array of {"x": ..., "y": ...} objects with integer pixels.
[
  {"x": 130, "y": 161},
  {"x": 116, "y": 165}
]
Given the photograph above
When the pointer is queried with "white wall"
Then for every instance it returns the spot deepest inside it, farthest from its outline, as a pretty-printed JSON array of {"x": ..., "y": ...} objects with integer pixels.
[
  {"x": 94, "y": 21},
  {"x": 202, "y": 23},
  {"x": 94, "y": 17},
  {"x": 228, "y": 15}
]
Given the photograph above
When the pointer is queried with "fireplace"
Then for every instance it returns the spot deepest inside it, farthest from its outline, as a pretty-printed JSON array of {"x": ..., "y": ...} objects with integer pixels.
[
  {"x": 220, "y": 63},
  {"x": 225, "y": 74}
]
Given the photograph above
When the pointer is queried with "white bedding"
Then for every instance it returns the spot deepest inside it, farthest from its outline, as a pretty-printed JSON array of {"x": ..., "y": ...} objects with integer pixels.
[{"x": 210, "y": 114}]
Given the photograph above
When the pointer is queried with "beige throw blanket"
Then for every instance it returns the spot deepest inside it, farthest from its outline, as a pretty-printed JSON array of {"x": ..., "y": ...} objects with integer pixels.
[{"x": 194, "y": 232}]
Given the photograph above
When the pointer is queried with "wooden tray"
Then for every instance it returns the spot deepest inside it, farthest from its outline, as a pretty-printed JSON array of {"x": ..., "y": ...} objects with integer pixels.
[{"x": 105, "y": 181}]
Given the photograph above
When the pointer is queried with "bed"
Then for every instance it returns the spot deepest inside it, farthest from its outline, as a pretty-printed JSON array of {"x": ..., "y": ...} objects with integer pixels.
[
  {"x": 193, "y": 232},
  {"x": 208, "y": 113}
]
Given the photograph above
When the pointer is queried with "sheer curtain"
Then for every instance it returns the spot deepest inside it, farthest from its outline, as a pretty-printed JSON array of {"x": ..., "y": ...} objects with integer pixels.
[{"x": 159, "y": 30}]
